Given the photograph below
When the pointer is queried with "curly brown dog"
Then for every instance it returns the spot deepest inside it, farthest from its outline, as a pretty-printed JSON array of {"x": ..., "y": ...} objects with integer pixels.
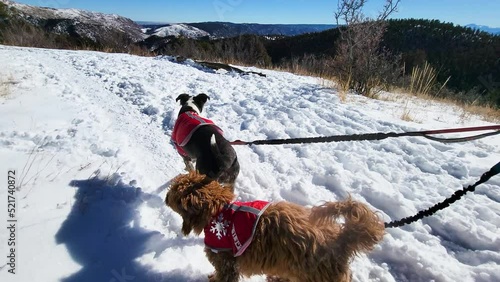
[{"x": 285, "y": 241}]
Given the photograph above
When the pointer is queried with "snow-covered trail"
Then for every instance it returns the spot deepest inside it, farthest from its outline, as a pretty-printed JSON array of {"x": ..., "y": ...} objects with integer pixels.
[{"x": 91, "y": 131}]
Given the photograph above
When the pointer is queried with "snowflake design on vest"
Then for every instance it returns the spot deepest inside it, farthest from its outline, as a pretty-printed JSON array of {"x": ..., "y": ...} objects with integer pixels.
[{"x": 219, "y": 226}]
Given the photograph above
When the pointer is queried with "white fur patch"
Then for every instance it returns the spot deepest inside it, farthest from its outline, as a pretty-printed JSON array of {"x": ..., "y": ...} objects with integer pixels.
[
  {"x": 191, "y": 104},
  {"x": 213, "y": 142}
]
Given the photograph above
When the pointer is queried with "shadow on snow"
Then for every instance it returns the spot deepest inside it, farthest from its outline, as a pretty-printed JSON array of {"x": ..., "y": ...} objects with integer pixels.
[{"x": 103, "y": 234}]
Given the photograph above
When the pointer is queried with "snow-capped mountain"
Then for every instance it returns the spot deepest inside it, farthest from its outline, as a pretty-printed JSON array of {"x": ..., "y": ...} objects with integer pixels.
[
  {"x": 77, "y": 23},
  {"x": 178, "y": 30},
  {"x": 493, "y": 30}
]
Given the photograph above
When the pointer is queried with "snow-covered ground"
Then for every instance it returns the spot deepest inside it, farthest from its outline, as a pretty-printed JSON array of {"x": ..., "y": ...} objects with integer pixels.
[{"x": 87, "y": 134}]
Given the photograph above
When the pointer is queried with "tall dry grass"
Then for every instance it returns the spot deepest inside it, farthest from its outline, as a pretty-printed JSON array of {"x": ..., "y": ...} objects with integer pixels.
[
  {"x": 423, "y": 84},
  {"x": 423, "y": 81}
]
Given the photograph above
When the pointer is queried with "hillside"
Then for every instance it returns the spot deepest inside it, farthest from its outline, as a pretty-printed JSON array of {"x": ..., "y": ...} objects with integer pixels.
[
  {"x": 87, "y": 134},
  {"x": 462, "y": 53},
  {"x": 468, "y": 56},
  {"x": 99, "y": 28}
]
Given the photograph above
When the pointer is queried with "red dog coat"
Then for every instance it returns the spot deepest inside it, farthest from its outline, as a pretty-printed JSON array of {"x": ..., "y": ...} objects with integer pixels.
[
  {"x": 233, "y": 228},
  {"x": 185, "y": 126}
]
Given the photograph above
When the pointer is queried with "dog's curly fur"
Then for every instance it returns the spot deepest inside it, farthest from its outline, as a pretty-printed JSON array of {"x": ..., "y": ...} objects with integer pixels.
[{"x": 291, "y": 242}]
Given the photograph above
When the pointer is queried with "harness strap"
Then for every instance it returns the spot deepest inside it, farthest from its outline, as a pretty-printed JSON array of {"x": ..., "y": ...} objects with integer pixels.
[{"x": 236, "y": 207}]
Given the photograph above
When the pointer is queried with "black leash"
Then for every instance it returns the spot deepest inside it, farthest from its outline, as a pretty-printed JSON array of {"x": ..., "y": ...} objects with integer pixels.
[
  {"x": 446, "y": 203},
  {"x": 381, "y": 136}
]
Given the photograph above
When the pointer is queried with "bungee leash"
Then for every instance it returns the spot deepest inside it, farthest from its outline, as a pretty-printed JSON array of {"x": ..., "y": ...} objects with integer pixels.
[
  {"x": 381, "y": 136},
  {"x": 447, "y": 202}
]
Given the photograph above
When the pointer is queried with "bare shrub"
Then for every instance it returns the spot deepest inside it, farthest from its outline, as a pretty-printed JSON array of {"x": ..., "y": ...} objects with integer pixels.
[
  {"x": 308, "y": 64},
  {"x": 360, "y": 64},
  {"x": 242, "y": 50},
  {"x": 140, "y": 51}
]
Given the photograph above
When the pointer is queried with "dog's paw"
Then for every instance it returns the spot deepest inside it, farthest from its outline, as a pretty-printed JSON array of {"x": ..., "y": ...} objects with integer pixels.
[
  {"x": 211, "y": 277},
  {"x": 189, "y": 165}
]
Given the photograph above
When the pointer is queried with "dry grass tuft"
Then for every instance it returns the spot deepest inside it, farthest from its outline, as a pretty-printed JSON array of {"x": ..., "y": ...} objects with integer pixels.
[
  {"x": 488, "y": 113},
  {"x": 422, "y": 79},
  {"x": 406, "y": 116},
  {"x": 468, "y": 110},
  {"x": 342, "y": 96},
  {"x": 6, "y": 82},
  {"x": 423, "y": 84}
]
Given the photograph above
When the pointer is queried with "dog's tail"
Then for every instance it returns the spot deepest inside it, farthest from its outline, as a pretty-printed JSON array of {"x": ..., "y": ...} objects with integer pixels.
[
  {"x": 226, "y": 159},
  {"x": 361, "y": 230}
]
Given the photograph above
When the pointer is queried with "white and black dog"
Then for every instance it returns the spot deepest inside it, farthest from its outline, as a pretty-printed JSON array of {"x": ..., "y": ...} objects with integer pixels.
[{"x": 199, "y": 139}]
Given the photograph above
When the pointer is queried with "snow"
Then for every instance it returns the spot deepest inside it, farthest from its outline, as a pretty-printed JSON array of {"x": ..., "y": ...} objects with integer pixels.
[
  {"x": 88, "y": 136},
  {"x": 180, "y": 30}
]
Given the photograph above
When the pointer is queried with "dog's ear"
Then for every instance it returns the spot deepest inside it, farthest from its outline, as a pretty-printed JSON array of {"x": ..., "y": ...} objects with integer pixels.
[
  {"x": 187, "y": 226},
  {"x": 183, "y": 98},
  {"x": 201, "y": 98},
  {"x": 198, "y": 211},
  {"x": 192, "y": 203}
]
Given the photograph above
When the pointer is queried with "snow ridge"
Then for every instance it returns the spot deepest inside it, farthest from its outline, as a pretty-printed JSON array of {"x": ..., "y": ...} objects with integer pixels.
[{"x": 87, "y": 22}]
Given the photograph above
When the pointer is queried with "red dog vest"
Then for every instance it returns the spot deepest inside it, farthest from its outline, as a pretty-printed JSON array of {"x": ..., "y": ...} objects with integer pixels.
[
  {"x": 233, "y": 228},
  {"x": 185, "y": 126}
]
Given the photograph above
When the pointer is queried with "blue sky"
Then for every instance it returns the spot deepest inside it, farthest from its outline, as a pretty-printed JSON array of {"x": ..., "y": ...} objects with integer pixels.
[{"x": 462, "y": 12}]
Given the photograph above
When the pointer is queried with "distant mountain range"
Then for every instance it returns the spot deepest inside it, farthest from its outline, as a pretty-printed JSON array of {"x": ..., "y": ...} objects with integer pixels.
[
  {"x": 492, "y": 30},
  {"x": 227, "y": 29}
]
